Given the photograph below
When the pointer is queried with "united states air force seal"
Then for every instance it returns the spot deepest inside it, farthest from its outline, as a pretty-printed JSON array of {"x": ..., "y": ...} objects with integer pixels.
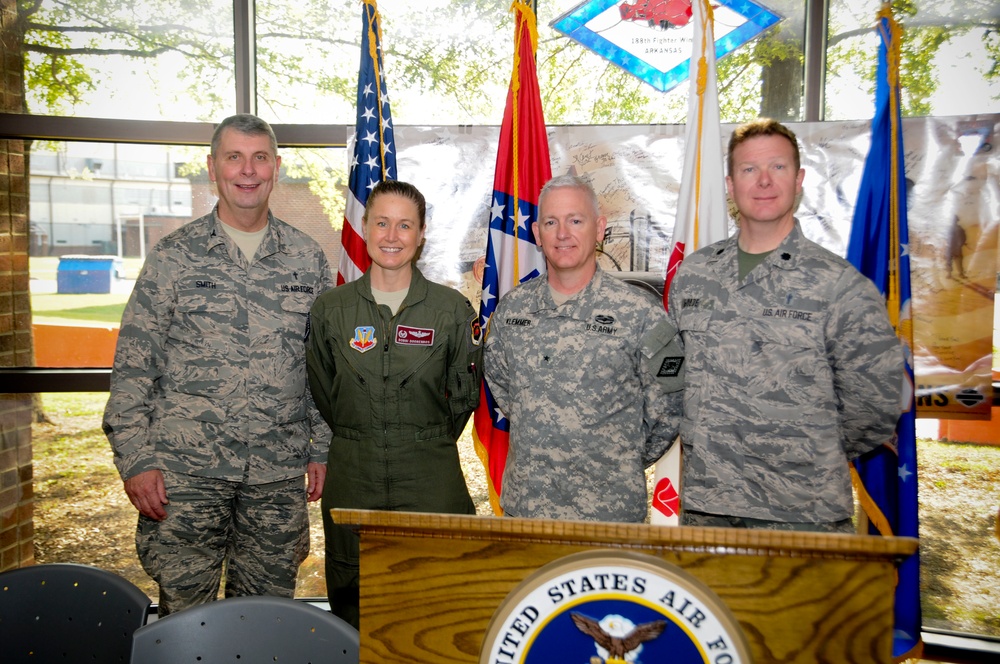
[{"x": 613, "y": 607}]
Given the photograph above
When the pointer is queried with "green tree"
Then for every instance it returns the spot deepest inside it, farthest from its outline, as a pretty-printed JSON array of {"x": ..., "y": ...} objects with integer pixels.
[
  {"x": 448, "y": 61},
  {"x": 460, "y": 65},
  {"x": 926, "y": 29},
  {"x": 61, "y": 37}
]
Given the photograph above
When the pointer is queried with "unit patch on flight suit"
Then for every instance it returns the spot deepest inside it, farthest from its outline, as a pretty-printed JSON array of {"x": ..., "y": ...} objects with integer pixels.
[{"x": 364, "y": 338}]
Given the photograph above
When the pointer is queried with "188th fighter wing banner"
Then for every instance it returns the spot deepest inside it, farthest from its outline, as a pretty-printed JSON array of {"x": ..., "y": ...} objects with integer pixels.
[{"x": 953, "y": 197}]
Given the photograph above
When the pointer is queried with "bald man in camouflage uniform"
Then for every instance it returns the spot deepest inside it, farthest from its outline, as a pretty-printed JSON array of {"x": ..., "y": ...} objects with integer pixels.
[
  {"x": 210, "y": 418},
  {"x": 793, "y": 369},
  {"x": 588, "y": 370}
]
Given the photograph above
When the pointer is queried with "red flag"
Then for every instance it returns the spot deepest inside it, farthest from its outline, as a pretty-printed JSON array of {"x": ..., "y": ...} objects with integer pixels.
[
  {"x": 373, "y": 156},
  {"x": 701, "y": 209},
  {"x": 511, "y": 254}
]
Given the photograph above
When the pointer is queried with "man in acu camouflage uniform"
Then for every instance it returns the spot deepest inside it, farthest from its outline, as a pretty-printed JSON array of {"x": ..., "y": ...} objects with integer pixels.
[
  {"x": 792, "y": 366},
  {"x": 588, "y": 370},
  {"x": 210, "y": 418}
]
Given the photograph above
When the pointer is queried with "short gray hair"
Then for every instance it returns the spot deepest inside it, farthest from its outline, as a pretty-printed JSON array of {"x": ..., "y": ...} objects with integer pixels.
[
  {"x": 571, "y": 182},
  {"x": 245, "y": 123}
]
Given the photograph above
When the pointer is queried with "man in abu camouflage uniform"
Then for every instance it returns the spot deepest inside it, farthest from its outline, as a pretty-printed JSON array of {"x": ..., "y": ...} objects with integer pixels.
[
  {"x": 588, "y": 370},
  {"x": 210, "y": 419},
  {"x": 793, "y": 369}
]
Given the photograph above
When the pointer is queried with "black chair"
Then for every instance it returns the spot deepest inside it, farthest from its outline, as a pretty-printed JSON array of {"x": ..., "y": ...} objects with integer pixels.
[
  {"x": 250, "y": 630},
  {"x": 68, "y": 613}
]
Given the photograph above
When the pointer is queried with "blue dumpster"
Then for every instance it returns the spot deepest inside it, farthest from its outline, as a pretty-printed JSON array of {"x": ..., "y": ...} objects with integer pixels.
[{"x": 88, "y": 274}]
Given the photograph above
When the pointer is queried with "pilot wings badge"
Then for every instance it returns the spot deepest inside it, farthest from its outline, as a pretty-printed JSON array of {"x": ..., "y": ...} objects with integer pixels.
[{"x": 414, "y": 336}]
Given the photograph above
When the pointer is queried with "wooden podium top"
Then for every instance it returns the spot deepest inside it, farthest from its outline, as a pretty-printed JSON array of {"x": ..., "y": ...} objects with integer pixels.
[
  {"x": 430, "y": 584},
  {"x": 633, "y": 535}
]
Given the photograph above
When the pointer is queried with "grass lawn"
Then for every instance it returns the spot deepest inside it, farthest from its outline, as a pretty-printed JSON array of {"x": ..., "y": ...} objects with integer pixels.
[
  {"x": 82, "y": 514},
  {"x": 62, "y": 307},
  {"x": 96, "y": 307}
]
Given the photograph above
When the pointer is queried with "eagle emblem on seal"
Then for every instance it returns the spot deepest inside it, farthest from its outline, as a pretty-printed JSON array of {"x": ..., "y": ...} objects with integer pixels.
[{"x": 617, "y": 635}]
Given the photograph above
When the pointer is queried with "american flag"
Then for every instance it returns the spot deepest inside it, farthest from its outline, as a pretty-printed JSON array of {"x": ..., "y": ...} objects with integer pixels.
[
  {"x": 701, "y": 212},
  {"x": 886, "y": 478},
  {"x": 511, "y": 254},
  {"x": 373, "y": 156}
]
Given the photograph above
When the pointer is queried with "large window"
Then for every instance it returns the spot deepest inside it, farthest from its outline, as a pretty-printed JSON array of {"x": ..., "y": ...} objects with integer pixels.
[
  {"x": 949, "y": 59},
  {"x": 97, "y": 208},
  {"x": 121, "y": 96},
  {"x": 448, "y": 62},
  {"x": 167, "y": 60}
]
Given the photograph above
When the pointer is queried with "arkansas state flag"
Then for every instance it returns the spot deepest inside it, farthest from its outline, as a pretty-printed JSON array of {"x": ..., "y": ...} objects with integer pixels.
[
  {"x": 886, "y": 478},
  {"x": 511, "y": 254},
  {"x": 701, "y": 212},
  {"x": 373, "y": 155}
]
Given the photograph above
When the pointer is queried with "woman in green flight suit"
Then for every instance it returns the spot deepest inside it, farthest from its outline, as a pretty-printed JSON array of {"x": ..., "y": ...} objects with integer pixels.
[{"x": 395, "y": 366}]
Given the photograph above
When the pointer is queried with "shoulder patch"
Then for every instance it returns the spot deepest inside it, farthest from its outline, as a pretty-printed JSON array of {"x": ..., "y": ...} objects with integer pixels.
[{"x": 670, "y": 367}]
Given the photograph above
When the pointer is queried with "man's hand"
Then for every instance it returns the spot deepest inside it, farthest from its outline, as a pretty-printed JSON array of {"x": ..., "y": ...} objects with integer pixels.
[
  {"x": 315, "y": 477},
  {"x": 147, "y": 492}
]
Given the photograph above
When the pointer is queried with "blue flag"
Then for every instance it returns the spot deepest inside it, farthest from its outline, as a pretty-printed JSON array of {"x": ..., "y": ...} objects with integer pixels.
[{"x": 887, "y": 486}]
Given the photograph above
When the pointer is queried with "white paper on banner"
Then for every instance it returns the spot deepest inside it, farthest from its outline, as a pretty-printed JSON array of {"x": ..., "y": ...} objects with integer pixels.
[
  {"x": 702, "y": 218},
  {"x": 637, "y": 172}
]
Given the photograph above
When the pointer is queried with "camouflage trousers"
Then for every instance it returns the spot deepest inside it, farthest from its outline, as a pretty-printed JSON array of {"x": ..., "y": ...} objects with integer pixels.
[
  {"x": 692, "y": 518},
  {"x": 258, "y": 533}
]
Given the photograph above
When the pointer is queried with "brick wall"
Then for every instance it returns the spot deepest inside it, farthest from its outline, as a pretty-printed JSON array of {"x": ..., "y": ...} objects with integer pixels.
[
  {"x": 291, "y": 202},
  {"x": 16, "y": 530},
  {"x": 294, "y": 203}
]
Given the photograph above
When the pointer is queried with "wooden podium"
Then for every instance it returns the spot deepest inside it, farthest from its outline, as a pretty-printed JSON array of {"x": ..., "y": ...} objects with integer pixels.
[{"x": 430, "y": 583}]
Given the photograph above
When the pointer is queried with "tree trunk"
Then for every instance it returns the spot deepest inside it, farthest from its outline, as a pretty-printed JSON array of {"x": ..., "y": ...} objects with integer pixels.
[{"x": 781, "y": 90}]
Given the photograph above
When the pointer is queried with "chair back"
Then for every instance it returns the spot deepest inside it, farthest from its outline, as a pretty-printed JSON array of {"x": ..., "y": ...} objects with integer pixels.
[
  {"x": 68, "y": 613},
  {"x": 248, "y": 629}
]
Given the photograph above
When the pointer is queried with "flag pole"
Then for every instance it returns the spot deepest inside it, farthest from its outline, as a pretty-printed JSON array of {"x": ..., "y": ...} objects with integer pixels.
[
  {"x": 371, "y": 151},
  {"x": 701, "y": 214},
  {"x": 522, "y": 167}
]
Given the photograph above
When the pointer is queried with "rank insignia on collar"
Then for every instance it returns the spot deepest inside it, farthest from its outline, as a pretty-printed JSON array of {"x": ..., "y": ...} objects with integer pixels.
[{"x": 364, "y": 338}]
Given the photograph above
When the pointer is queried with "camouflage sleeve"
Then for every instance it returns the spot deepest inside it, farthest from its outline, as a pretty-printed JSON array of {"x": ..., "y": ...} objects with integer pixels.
[
  {"x": 465, "y": 367},
  {"x": 495, "y": 361},
  {"x": 662, "y": 379},
  {"x": 138, "y": 364},
  {"x": 672, "y": 309},
  {"x": 867, "y": 362},
  {"x": 320, "y": 433}
]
